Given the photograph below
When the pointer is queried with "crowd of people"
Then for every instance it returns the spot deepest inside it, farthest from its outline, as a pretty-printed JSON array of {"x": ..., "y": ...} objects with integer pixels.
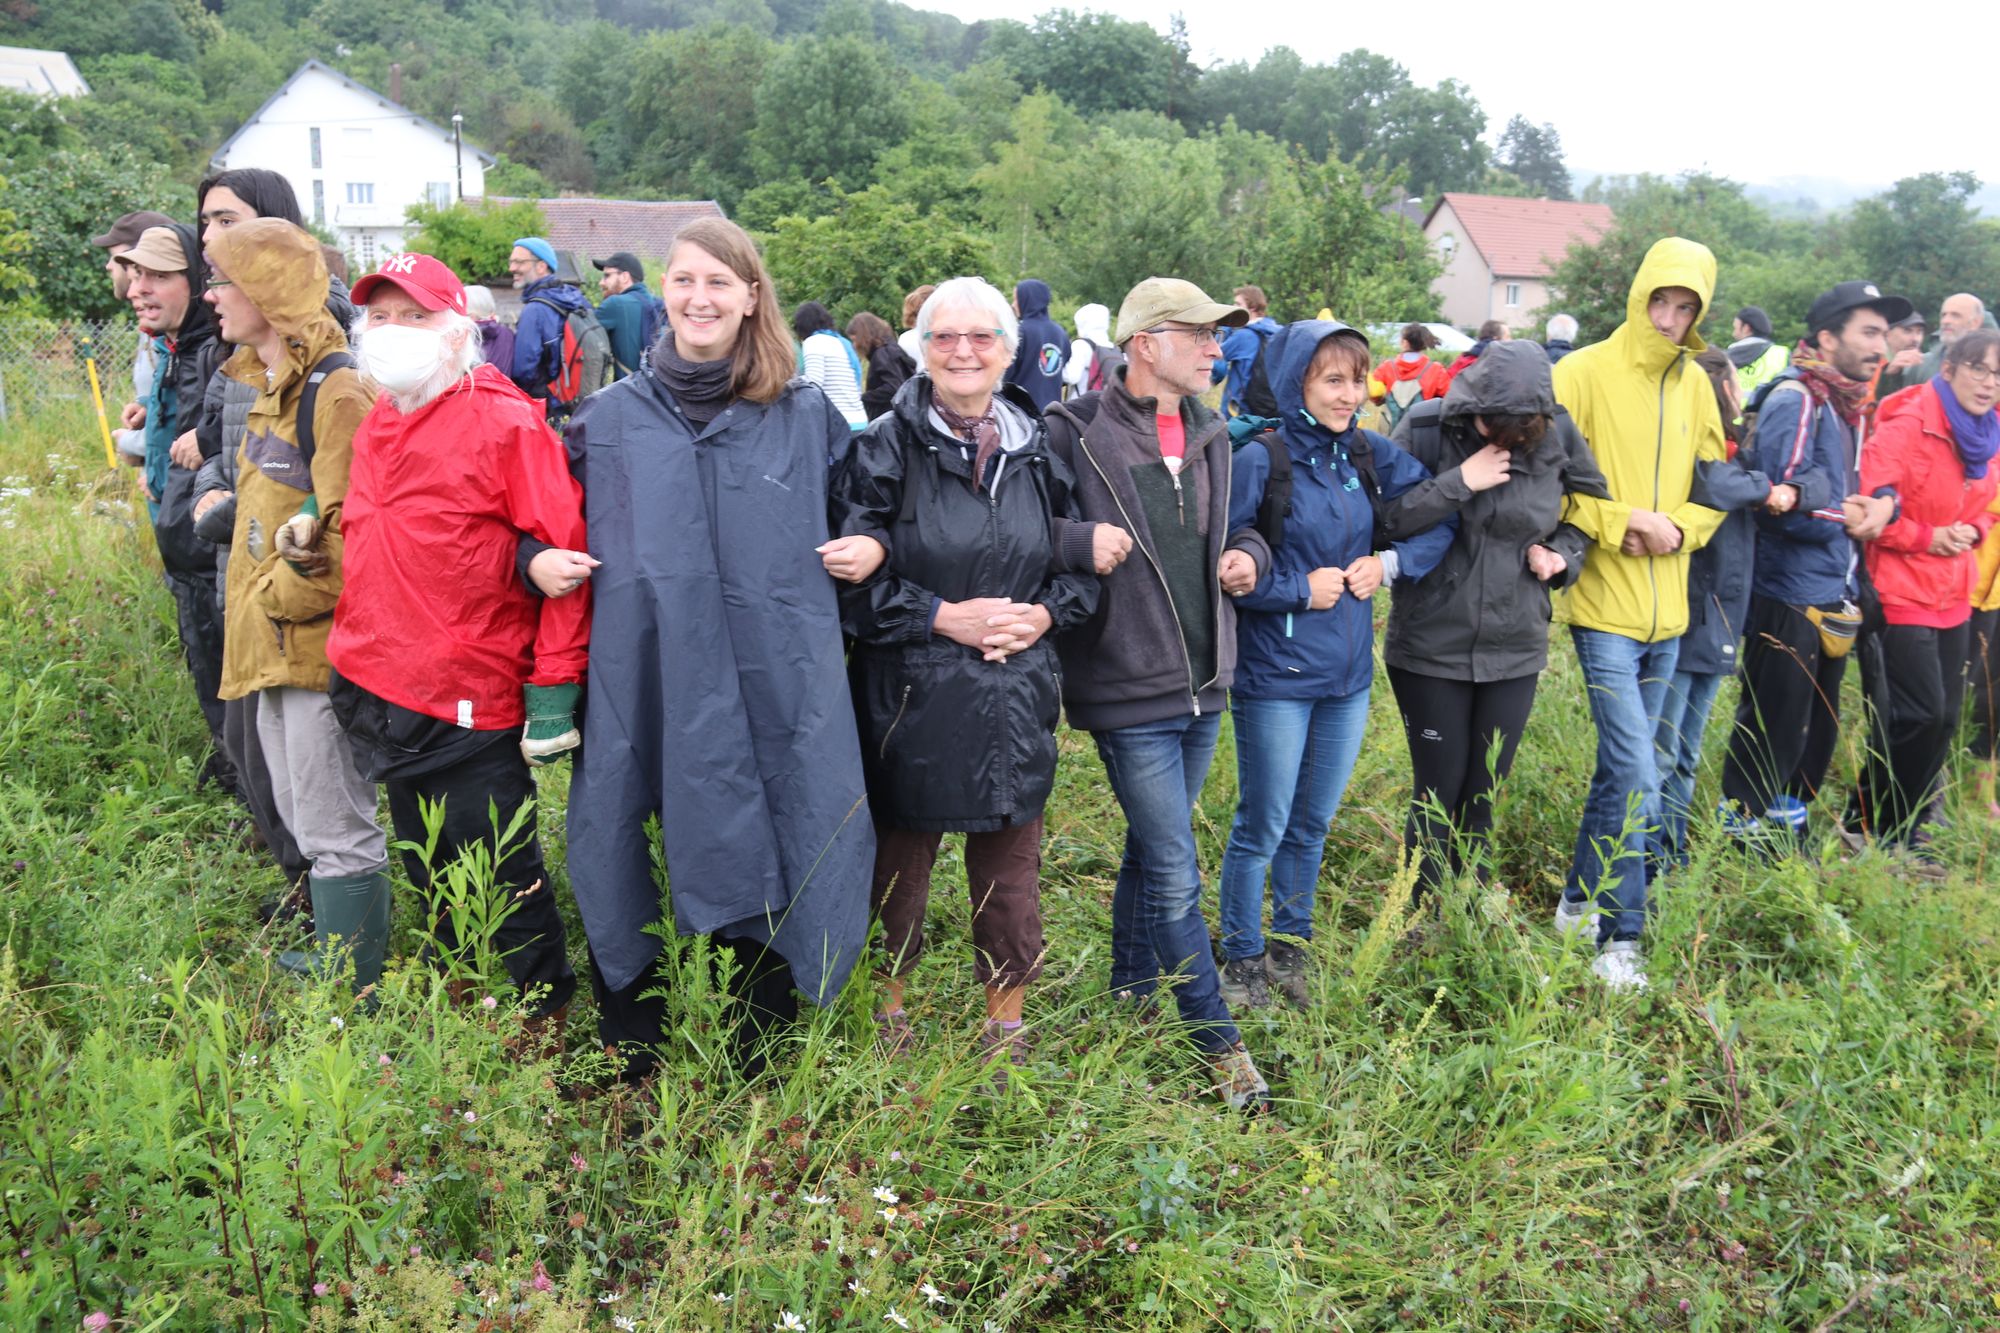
[{"x": 807, "y": 600}]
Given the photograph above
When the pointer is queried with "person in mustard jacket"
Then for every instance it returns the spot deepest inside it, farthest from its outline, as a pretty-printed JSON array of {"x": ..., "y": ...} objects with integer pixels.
[
  {"x": 1985, "y": 668},
  {"x": 269, "y": 289},
  {"x": 1650, "y": 416}
]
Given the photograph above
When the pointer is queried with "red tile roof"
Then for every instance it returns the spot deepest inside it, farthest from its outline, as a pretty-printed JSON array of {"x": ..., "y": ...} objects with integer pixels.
[
  {"x": 598, "y": 228},
  {"x": 1523, "y": 238}
]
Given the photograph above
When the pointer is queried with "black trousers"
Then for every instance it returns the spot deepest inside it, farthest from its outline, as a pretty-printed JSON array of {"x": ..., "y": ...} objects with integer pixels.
[
  {"x": 1788, "y": 714},
  {"x": 531, "y": 941},
  {"x": 637, "y": 1027},
  {"x": 1914, "y": 680},
  {"x": 1983, "y": 667},
  {"x": 239, "y": 738},
  {"x": 1451, "y": 727}
]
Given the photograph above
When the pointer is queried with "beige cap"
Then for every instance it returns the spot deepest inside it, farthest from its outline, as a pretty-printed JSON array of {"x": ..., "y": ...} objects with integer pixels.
[
  {"x": 1157, "y": 301},
  {"x": 157, "y": 250}
]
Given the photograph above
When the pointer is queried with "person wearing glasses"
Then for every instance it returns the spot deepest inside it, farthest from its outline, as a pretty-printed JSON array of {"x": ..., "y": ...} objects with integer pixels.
[
  {"x": 946, "y": 508},
  {"x": 1933, "y": 446},
  {"x": 1148, "y": 675}
]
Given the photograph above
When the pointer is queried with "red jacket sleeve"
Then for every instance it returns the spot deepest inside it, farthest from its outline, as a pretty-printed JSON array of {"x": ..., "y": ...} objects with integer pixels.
[
  {"x": 545, "y": 501},
  {"x": 1887, "y": 462}
]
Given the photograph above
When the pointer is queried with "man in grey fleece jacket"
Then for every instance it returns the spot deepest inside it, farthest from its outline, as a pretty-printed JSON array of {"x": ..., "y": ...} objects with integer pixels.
[{"x": 1148, "y": 676}]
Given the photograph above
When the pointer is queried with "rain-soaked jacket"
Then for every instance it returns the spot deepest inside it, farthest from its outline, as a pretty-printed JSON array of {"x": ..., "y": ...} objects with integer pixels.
[
  {"x": 276, "y": 618},
  {"x": 717, "y": 700},
  {"x": 1482, "y": 615},
  {"x": 950, "y": 740},
  {"x": 1649, "y": 414}
]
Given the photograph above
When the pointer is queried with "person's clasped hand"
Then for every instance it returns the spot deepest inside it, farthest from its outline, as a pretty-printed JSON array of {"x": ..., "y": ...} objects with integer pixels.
[
  {"x": 1324, "y": 586},
  {"x": 297, "y": 540},
  {"x": 1237, "y": 572},
  {"x": 851, "y": 559},
  {"x": 558, "y": 573},
  {"x": 1109, "y": 546},
  {"x": 550, "y": 732},
  {"x": 1491, "y": 466},
  {"x": 1867, "y": 516},
  {"x": 1545, "y": 564},
  {"x": 185, "y": 451},
  {"x": 997, "y": 626},
  {"x": 1954, "y": 539}
]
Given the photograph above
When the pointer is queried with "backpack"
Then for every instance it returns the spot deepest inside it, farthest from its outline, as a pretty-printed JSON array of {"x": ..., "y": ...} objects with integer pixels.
[
  {"x": 309, "y": 401},
  {"x": 1276, "y": 505},
  {"x": 1402, "y": 395},
  {"x": 584, "y": 366},
  {"x": 1104, "y": 363},
  {"x": 1258, "y": 400},
  {"x": 1808, "y": 421}
]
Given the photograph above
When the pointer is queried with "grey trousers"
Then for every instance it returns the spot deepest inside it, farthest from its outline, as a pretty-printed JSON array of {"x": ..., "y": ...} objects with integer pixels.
[
  {"x": 328, "y": 806},
  {"x": 246, "y": 752}
]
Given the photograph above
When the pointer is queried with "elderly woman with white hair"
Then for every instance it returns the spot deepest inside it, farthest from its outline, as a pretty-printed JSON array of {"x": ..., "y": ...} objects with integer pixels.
[
  {"x": 948, "y": 508},
  {"x": 451, "y": 677}
]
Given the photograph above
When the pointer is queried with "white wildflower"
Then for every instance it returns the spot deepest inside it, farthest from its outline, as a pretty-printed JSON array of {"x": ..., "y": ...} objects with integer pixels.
[{"x": 883, "y": 1194}]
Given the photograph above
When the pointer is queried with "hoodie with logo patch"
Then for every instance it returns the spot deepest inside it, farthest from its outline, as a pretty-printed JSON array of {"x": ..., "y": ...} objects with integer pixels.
[{"x": 1039, "y": 360}]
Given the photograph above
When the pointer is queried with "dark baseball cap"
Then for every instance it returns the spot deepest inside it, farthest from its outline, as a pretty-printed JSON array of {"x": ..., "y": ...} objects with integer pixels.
[
  {"x": 128, "y": 229},
  {"x": 1846, "y": 296},
  {"x": 626, "y": 261},
  {"x": 1759, "y": 322},
  {"x": 1914, "y": 320}
]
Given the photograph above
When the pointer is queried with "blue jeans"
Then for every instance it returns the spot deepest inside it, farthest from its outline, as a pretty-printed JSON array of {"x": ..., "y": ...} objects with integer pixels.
[
  {"x": 1689, "y": 701},
  {"x": 1156, "y": 770},
  {"x": 1627, "y": 682},
  {"x": 1293, "y": 760}
]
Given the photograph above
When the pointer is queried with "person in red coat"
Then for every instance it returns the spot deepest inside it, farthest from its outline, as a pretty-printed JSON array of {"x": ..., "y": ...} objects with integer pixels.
[
  {"x": 1933, "y": 448},
  {"x": 452, "y": 676}
]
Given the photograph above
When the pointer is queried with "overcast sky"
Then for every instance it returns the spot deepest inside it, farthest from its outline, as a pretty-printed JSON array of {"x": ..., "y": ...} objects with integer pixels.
[{"x": 1737, "y": 103}]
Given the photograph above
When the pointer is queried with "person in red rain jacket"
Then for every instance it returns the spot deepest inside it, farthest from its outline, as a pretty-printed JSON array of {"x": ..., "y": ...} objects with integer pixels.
[
  {"x": 1410, "y": 376},
  {"x": 1933, "y": 446},
  {"x": 453, "y": 677}
]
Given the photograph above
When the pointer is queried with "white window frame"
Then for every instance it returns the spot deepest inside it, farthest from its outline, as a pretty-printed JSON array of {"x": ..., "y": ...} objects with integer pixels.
[{"x": 1513, "y": 295}]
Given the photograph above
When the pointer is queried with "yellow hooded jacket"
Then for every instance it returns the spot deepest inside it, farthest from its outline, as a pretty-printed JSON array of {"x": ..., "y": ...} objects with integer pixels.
[
  {"x": 1649, "y": 413},
  {"x": 276, "y": 620}
]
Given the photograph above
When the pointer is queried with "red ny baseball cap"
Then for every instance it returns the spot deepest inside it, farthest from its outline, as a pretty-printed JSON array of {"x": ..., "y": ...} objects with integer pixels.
[{"x": 426, "y": 280}]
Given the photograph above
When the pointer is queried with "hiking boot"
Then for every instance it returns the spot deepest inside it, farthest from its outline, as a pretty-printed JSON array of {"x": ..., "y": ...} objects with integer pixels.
[
  {"x": 1572, "y": 917},
  {"x": 1239, "y": 1082},
  {"x": 540, "y": 1037},
  {"x": 1245, "y": 983},
  {"x": 1002, "y": 1049},
  {"x": 1285, "y": 966},
  {"x": 1620, "y": 966},
  {"x": 353, "y": 910}
]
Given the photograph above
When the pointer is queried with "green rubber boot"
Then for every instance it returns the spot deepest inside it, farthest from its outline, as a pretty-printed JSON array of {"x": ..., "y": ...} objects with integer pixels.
[{"x": 354, "y": 908}]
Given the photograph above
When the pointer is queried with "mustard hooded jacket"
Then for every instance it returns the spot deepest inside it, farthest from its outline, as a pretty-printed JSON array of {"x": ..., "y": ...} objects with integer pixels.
[
  {"x": 1649, "y": 413},
  {"x": 276, "y": 620}
]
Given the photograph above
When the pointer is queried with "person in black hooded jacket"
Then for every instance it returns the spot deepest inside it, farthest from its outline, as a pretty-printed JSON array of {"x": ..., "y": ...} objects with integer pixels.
[
  {"x": 1466, "y": 645},
  {"x": 956, "y": 685},
  {"x": 168, "y": 279},
  {"x": 1043, "y": 348}
]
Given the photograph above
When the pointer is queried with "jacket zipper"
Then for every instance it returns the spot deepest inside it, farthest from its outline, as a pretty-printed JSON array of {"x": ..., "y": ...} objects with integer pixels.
[
  {"x": 1180, "y": 635},
  {"x": 1659, "y": 454}
]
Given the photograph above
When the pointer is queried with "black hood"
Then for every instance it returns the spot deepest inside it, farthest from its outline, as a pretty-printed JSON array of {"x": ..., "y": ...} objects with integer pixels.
[
  {"x": 1509, "y": 378},
  {"x": 198, "y": 325}
]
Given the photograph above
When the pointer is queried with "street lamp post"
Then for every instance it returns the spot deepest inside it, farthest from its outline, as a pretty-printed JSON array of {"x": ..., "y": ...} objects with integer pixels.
[{"x": 458, "y": 151}]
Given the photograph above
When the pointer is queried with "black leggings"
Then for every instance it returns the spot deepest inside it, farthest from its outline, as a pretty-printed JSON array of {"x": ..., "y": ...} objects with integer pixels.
[
  {"x": 1914, "y": 679},
  {"x": 637, "y": 1026},
  {"x": 1984, "y": 652},
  {"x": 1450, "y": 726}
]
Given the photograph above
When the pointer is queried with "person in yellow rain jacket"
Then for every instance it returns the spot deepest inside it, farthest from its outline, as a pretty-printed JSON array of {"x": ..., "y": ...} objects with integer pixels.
[
  {"x": 1985, "y": 667},
  {"x": 1649, "y": 413}
]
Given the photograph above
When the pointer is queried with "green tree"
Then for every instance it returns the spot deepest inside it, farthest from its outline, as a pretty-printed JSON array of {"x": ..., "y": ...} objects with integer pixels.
[
  {"x": 70, "y": 196},
  {"x": 1138, "y": 206},
  {"x": 1095, "y": 62},
  {"x": 15, "y": 281},
  {"x": 1333, "y": 247},
  {"x": 1534, "y": 154},
  {"x": 474, "y": 238},
  {"x": 693, "y": 104},
  {"x": 1365, "y": 108},
  {"x": 827, "y": 107},
  {"x": 867, "y": 252},
  {"x": 1924, "y": 239},
  {"x": 1022, "y": 189}
]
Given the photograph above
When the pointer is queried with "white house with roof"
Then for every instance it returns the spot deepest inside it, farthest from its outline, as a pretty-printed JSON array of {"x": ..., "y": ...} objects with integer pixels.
[
  {"x": 26, "y": 69},
  {"x": 356, "y": 159}
]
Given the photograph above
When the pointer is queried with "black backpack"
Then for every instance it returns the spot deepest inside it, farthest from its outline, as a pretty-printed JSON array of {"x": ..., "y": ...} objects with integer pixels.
[
  {"x": 1258, "y": 400},
  {"x": 309, "y": 401},
  {"x": 1104, "y": 363},
  {"x": 1276, "y": 505}
]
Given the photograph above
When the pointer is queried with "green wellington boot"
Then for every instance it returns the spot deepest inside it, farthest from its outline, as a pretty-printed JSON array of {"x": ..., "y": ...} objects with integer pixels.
[{"x": 355, "y": 908}]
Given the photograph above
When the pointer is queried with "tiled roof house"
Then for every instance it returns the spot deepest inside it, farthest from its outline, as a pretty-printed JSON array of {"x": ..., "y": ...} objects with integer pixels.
[{"x": 1498, "y": 252}]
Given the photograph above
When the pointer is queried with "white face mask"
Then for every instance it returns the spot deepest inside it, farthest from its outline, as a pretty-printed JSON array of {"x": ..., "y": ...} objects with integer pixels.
[{"x": 400, "y": 358}]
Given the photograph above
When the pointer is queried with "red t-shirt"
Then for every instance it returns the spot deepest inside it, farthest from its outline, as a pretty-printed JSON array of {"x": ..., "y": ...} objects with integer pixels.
[{"x": 1173, "y": 438}]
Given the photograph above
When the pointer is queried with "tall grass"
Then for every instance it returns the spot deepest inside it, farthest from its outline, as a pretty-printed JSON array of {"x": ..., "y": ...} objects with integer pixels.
[{"x": 1795, "y": 1129}]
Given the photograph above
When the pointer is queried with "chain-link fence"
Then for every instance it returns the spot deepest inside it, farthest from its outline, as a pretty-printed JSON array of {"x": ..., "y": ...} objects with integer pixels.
[{"x": 43, "y": 365}]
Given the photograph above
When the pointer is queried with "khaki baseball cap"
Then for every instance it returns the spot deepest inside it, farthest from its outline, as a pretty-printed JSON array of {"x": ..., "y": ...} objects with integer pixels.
[
  {"x": 1158, "y": 301},
  {"x": 157, "y": 250}
]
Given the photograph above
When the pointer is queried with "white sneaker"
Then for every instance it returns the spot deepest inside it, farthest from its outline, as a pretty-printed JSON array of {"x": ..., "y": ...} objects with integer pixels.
[
  {"x": 1573, "y": 917},
  {"x": 1620, "y": 966}
]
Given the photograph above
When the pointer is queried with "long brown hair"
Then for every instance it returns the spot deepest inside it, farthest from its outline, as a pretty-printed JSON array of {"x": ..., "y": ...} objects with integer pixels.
[
  {"x": 868, "y": 331},
  {"x": 764, "y": 355}
]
